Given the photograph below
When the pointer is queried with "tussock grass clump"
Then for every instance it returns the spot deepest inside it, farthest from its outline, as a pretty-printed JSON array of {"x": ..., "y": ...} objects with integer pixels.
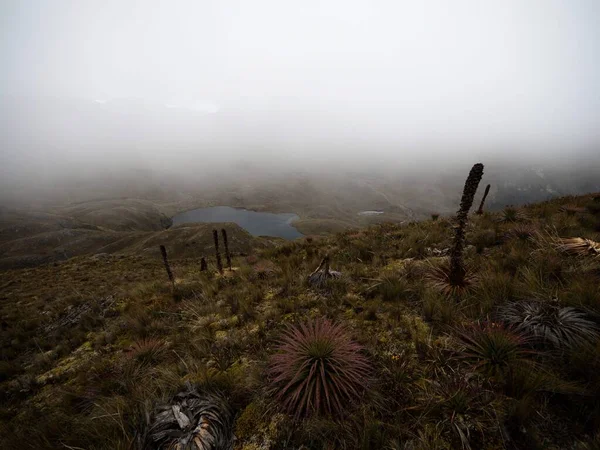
[
  {"x": 462, "y": 406},
  {"x": 493, "y": 349},
  {"x": 147, "y": 351},
  {"x": 264, "y": 269},
  {"x": 495, "y": 288},
  {"x": 318, "y": 369},
  {"x": 391, "y": 288},
  {"x": 510, "y": 214},
  {"x": 522, "y": 231},
  {"x": 437, "y": 309},
  {"x": 550, "y": 323},
  {"x": 483, "y": 239}
]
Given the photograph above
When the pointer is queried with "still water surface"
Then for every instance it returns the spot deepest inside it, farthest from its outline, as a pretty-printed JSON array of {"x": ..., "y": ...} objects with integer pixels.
[{"x": 256, "y": 223}]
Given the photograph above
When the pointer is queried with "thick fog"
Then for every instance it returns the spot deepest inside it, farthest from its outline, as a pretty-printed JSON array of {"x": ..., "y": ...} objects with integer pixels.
[{"x": 204, "y": 85}]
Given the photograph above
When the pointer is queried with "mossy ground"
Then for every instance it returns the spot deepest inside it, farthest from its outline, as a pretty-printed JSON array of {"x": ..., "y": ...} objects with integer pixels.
[{"x": 87, "y": 381}]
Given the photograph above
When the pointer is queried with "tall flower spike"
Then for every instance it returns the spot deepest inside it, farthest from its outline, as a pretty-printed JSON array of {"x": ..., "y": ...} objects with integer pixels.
[
  {"x": 485, "y": 194},
  {"x": 217, "y": 254},
  {"x": 457, "y": 268},
  {"x": 226, "y": 245},
  {"x": 163, "y": 252}
]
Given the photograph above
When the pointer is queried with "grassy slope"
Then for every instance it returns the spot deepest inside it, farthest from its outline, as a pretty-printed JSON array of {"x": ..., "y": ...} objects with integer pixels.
[
  {"x": 28, "y": 242},
  {"x": 69, "y": 378}
]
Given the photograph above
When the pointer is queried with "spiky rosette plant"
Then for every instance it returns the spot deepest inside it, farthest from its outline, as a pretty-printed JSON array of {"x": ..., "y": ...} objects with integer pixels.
[
  {"x": 454, "y": 277},
  {"x": 440, "y": 278},
  {"x": 511, "y": 214},
  {"x": 522, "y": 231},
  {"x": 549, "y": 323},
  {"x": 318, "y": 369}
]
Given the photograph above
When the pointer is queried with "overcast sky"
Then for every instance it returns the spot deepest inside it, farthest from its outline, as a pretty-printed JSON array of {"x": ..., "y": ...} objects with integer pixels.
[{"x": 411, "y": 76}]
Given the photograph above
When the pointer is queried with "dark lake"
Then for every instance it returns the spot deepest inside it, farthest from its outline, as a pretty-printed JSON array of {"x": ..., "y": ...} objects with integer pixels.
[{"x": 256, "y": 223}]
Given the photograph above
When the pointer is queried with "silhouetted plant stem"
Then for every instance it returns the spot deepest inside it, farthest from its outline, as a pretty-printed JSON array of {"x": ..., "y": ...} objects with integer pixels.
[
  {"x": 485, "y": 194},
  {"x": 457, "y": 268},
  {"x": 226, "y": 245},
  {"x": 203, "y": 265},
  {"x": 163, "y": 252},
  {"x": 217, "y": 254}
]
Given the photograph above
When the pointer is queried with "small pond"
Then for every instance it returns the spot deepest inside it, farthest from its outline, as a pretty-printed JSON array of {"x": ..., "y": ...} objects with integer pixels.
[
  {"x": 370, "y": 213},
  {"x": 256, "y": 223}
]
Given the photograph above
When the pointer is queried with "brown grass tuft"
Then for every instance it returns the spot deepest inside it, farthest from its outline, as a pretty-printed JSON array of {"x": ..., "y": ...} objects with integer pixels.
[{"x": 579, "y": 246}]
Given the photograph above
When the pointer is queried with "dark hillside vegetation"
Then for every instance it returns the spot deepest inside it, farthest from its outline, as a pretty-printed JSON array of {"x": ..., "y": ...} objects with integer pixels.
[{"x": 100, "y": 353}]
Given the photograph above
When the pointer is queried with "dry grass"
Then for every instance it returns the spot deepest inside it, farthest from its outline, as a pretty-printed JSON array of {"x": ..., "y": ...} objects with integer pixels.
[{"x": 579, "y": 246}]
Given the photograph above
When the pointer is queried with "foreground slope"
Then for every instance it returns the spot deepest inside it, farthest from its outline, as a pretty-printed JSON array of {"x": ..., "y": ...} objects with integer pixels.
[{"x": 90, "y": 345}]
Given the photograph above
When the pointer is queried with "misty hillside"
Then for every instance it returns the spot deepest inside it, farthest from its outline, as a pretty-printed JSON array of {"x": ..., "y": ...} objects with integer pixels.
[
  {"x": 116, "y": 213},
  {"x": 246, "y": 226},
  {"x": 95, "y": 347}
]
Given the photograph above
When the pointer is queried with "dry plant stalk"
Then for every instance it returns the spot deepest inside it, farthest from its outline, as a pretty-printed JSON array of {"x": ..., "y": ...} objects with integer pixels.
[
  {"x": 163, "y": 252},
  {"x": 226, "y": 245},
  {"x": 485, "y": 194},
  {"x": 217, "y": 254}
]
